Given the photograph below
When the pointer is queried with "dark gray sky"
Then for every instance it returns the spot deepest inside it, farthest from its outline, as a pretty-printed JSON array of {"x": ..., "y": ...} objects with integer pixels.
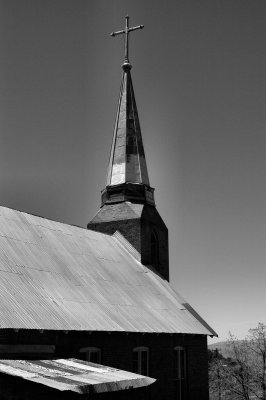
[{"x": 199, "y": 80}]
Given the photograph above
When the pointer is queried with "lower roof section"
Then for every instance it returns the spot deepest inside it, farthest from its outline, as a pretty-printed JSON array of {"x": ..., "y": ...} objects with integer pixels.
[
  {"x": 55, "y": 276},
  {"x": 74, "y": 375}
]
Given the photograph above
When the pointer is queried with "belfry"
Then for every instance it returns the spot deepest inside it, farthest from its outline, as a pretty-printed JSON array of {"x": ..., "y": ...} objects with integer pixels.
[{"x": 127, "y": 201}]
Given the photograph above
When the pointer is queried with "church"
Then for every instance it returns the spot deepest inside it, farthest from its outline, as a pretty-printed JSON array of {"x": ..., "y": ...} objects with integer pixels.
[{"x": 90, "y": 313}]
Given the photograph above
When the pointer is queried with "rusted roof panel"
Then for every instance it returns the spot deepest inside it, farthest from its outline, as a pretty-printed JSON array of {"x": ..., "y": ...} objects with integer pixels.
[
  {"x": 59, "y": 277},
  {"x": 74, "y": 375}
]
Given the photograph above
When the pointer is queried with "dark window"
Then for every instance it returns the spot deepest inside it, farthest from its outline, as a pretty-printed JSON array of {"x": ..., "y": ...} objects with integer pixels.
[
  {"x": 91, "y": 354},
  {"x": 154, "y": 249},
  {"x": 180, "y": 372},
  {"x": 141, "y": 360}
]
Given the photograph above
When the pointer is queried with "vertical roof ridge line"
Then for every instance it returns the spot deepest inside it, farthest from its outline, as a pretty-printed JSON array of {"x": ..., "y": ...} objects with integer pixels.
[
  {"x": 136, "y": 138},
  {"x": 112, "y": 152}
]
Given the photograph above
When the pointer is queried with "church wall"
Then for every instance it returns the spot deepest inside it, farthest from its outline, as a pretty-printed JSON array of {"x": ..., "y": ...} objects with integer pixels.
[
  {"x": 138, "y": 232},
  {"x": 129, "y": 228},
  {"x": 147, "y": 227},
  {"x": 117, "y": 351}
]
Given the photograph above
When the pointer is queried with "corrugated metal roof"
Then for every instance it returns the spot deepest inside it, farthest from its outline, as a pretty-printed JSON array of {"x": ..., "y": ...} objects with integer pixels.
[
  {"x": 74, "y": 375},
  {"x": 60, "y": 277},
  {"x": 131, "y": 249}
]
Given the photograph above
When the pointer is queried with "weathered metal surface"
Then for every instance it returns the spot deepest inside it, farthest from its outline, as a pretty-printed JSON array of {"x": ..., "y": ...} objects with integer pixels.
[
  {"x": 74, "y": 375},
  {"x": 127, "y": 160},
  {"x": 60, "y": 277}
]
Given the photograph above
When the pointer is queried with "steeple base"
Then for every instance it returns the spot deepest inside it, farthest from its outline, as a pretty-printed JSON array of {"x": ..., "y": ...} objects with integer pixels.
[
  {"x": 133, "y": 192},
  {"x": 142, "y": 226}
]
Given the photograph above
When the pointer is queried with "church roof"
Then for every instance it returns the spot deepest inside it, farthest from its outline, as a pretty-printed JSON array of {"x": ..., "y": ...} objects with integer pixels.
[
  {"x": 118, "y": 211},
  {"x": 60, "y": 277},
  {"x": 127, "y": 159}
]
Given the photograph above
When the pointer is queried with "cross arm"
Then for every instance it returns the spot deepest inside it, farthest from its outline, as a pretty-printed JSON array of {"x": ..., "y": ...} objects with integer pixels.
[
  {"x": 128, "y": 30},
  {"x": 117, "y": 33},
  {"x": 135, "y": 27}
]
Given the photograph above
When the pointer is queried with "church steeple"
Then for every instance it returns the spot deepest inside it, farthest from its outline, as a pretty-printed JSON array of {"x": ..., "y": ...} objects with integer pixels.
[
  {"x": 127, "y": 200},
  {"x": 127, "y": 174}
]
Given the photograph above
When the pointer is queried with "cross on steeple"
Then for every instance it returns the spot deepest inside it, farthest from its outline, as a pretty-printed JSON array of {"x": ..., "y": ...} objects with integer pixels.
[{"x": 126, "y": 32}]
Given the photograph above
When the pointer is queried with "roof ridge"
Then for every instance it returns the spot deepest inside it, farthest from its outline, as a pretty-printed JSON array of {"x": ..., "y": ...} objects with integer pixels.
[{"x": 127, "y": 245}]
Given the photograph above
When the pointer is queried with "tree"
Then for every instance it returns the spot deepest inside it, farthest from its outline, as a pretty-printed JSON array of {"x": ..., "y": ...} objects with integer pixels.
[
  {"x": 217, "y": 376},
  {"x": 256, "y": 346},
  {"x": 243, "y": 375}
]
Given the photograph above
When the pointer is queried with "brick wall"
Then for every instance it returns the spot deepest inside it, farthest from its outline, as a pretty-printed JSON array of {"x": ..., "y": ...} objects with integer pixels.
[
  {"x": 151, "y": 221},
  {"x": 129, "y": 228},
  {"x": 117, "y": 352},
  {"x": 138, "y": 232}
]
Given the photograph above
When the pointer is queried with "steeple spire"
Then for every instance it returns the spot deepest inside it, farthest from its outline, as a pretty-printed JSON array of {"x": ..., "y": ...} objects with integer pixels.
[{"x": 127, "y": 174}]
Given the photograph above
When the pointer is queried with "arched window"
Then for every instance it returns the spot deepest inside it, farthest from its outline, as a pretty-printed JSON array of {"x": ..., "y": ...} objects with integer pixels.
[
  {"x": 180, "y": 372},
  {"x": 91, "y": 354},
  {"x": 141, "y": 360},
  {"x": 154, "y": 249}
]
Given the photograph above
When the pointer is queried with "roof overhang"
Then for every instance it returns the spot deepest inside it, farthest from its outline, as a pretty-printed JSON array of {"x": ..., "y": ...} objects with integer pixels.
[{"x": 74, "y": 375}]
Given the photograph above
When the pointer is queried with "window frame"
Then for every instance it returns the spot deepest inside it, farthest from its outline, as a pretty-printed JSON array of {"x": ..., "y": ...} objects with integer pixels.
[
  {"x": 181, "y": 372},
  {"x": 92, "y": 350},
  {"x": 140, "y": 368},
  {"x": 180, "y": 367},
  {"x": 155, "y": 249}
]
